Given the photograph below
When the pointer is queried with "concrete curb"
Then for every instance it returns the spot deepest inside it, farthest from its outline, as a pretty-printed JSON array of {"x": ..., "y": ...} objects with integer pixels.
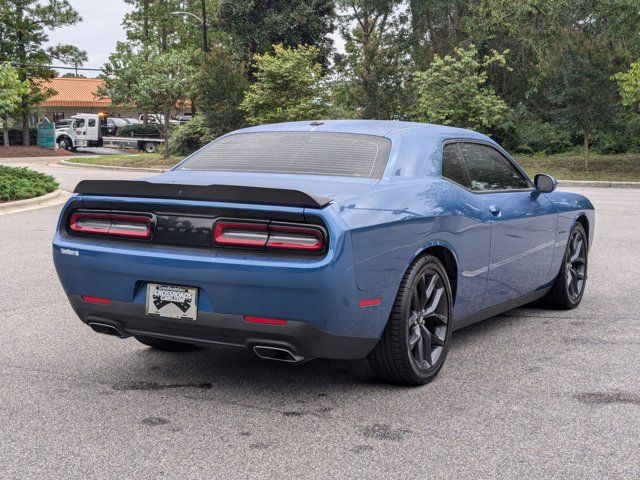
[
  {"x": 111, "y": 167},
  {"x": 50, "y": 199},
  {"x": 597, "y": 183}
]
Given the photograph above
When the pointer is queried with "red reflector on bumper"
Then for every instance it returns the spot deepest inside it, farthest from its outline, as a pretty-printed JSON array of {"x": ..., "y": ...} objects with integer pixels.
[
  {"x": 264, "y": 321},
  {"x": 101, "y": 301},
  {"x": 370, "y": 302}
]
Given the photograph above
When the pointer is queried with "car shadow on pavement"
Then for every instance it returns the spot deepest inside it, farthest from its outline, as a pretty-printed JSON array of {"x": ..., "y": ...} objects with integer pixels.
[{"x": 219, "y": 372}]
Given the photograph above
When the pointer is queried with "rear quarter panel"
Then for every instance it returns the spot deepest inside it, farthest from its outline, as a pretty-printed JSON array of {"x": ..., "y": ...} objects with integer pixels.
[{"x": 391, "y": 227}]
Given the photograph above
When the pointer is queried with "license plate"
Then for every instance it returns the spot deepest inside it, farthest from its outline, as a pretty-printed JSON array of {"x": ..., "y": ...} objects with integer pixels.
[{"x": 172, "y": 301}]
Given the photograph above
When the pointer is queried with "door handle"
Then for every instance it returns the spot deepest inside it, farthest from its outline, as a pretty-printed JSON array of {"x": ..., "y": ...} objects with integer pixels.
[{"x": 495, "y": 210}]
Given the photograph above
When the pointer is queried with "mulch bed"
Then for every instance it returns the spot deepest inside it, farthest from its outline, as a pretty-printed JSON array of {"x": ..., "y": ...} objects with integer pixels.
[{"x": 16, "y": 151}]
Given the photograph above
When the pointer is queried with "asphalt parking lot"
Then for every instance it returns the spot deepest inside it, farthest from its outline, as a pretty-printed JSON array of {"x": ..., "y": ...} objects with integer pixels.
[{"x": 530, "y": 394}]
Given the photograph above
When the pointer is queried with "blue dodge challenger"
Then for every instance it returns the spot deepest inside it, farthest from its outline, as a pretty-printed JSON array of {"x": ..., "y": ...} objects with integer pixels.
[{"x": 325, "y": 239}]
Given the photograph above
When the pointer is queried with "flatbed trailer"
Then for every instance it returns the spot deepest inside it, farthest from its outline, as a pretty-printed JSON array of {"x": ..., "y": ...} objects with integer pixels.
[{"x": 148, "y": 145}]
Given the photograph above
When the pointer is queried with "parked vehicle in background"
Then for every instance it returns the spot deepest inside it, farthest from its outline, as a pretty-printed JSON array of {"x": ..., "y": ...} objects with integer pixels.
[
  {"x": 185, "y": 118},
  {"x": 112, "y": 125},
  {"x": 87, "y": 130},
  {"x": 133, "y": 121},
  {"x": 157, "y": 118},
  {"x": 333, "y": 239}
]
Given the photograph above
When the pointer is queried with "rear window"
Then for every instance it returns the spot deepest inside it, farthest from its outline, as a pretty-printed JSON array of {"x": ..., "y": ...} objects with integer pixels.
[{"x": 307, "y": 153}]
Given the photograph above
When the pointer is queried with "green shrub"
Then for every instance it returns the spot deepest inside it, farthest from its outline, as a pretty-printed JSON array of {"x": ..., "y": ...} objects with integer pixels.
[
  {"x": 190, "y": 136},
  {"x": 139, "y": 130},
  {"x": 533, "y": 135},
  {"x": 22, "y": 183},
  {"x": 621, "y": 136},
  {"x": 15, "y": 136}
]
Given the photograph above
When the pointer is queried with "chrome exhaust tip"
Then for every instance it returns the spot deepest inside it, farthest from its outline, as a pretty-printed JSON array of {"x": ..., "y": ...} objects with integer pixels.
[
  {"x": 279, "y": 354},
  {"x": 106, "y": 329}
]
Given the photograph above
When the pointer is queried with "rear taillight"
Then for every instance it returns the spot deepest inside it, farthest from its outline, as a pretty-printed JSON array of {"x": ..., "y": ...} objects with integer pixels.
[
  {"x": 240, "y": 234},
  {"x": 270, "y": 236},
  {"x": 112, "y": 224},
  {"x": 287, "y": 237}
]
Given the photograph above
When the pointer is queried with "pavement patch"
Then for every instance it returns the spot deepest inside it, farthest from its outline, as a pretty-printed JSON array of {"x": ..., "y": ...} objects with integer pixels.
[
  {"x": 155, "y": 421},
  {"x": 383, "y": 431},
  {"x": 608, "y": 398},
  {"x": 153, "y": 386}
]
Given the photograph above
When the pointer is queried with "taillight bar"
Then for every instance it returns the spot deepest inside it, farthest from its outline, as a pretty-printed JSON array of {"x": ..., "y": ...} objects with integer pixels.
[
  {"x": 111, "y": 224},
  {"x": 241, "y": 234},
  {"x": 269, "y": 236}
]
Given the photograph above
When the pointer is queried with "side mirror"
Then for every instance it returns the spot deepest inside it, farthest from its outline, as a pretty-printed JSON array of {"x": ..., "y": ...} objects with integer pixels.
[{"x": 545, "y": 183}]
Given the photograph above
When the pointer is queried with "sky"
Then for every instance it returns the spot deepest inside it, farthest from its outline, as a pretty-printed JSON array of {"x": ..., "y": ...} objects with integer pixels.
[
  {"x": 101, "y": 29},
  {"x": 97, "y": 34}
]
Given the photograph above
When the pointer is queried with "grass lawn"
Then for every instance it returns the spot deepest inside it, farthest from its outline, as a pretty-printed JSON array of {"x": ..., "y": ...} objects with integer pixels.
[
  {"x": 145, "y": 160},
  {"x": 22, "y": 183},
  {"x": 623, "y": 167},
  {"x": 565, "y": 166}
]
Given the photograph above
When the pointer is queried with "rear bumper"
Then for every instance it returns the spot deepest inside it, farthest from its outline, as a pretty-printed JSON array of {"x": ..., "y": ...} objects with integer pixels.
[
  {"x": 317, "y": 295},
  {"x": 301, "y": 338}
]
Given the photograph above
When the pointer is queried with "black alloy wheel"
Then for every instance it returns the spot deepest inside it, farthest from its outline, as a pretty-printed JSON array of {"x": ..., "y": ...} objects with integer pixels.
[
  {"x": 568, "y": 288},
  {"x": 415, "y": 342},
  {"x": 428, "y": 320},
  {"x": 576, "y": 265}
]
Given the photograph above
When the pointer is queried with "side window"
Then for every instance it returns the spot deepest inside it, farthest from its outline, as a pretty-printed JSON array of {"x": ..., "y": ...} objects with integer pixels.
[
  {"x": 453, "y": 166},
  {"x": 91, "y": 122},
  {"x": 490, "y": 170},
  {"x": 78, "y": 123}
]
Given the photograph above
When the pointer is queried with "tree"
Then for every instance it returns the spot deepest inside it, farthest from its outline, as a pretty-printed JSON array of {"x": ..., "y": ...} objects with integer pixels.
[
  {"x": 11, "y": 91},
  {"x": 629, "y": 85},
  {"x": 22, "y": 38},
  {"x": 153, "y": 81},
  {"x": 438, "y": 26},
  {"x": 454, "y": 91},
  {"x": 219, "y": 88},
  {"x": 256, "y": 25},
  {"x": 288, "y": 86},
  {"x": 590, "y": 42},
  {"x": 579, "y": 89},
  {"x": 376, "y": 58}
]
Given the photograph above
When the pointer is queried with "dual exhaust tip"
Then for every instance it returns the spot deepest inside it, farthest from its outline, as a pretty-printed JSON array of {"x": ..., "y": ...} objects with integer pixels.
[
  {"x": 267, "y": 352},
  {"x": 279, "y": 354},
  {"x": 106, "y": 329}
]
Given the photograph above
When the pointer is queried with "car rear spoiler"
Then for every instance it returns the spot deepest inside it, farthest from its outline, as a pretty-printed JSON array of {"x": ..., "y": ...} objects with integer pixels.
[{"x": 210, "y": 193}]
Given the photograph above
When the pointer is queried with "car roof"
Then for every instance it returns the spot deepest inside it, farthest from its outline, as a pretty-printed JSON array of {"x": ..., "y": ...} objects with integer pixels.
[{"x": 383, "y": 128}]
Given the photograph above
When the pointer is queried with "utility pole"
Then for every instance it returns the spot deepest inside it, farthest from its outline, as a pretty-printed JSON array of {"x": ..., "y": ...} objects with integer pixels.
[{"x": 205, "y": 42}]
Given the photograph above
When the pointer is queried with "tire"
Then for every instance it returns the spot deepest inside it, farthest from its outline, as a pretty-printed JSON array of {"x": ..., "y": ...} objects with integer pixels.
[
  {"x": 421, "y": 316},
  {"x": 568, "y": 289},
  {"x": 165, "y": 345},
  {"x": 64, "y": 144},
  {"x": 149, "y": 147}
]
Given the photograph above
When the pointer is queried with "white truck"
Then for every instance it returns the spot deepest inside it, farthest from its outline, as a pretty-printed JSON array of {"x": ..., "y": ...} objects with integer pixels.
[{"x": 86, "y": 131}]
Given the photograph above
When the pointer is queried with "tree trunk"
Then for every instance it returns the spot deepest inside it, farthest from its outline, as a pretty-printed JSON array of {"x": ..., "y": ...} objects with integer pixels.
[
  {"x": 26, "y": 140},
  {"x": 165, "y": 129},
  {"x": 5, "y": 131},
  {"x": 586, "y": 149}
]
